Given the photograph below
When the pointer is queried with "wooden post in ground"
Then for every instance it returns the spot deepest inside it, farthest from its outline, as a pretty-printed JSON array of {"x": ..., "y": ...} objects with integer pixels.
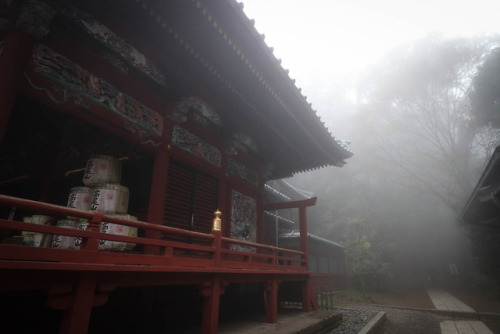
[
  {"x": 75, "y": 320},
  {"x": 211, "y": 291},
  {"x": 272, "y": 287}
]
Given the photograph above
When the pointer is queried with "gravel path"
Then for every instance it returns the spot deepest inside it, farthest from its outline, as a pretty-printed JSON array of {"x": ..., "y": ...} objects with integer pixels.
[
  {"x": 353, "y": 320},
  {"x": 398, "y": 320},
  {"x": 410, "y": 321}
]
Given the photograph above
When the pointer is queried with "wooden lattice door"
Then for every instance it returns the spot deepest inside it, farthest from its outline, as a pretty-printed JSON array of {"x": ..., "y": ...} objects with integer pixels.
[{"x": 190, "y": 199}]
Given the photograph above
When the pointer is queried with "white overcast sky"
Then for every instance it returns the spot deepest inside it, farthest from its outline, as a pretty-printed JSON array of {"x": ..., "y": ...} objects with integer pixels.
[
  {"x": 348, "y": 34},
  {"x": 323, "y": 41}
]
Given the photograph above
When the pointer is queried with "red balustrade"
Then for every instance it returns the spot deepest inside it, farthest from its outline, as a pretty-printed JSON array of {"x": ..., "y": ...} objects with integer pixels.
[{"x": 180, "y": 250}]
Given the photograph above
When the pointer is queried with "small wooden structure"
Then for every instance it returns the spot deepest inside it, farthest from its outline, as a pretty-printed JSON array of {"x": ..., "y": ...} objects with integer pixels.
[
  {"x": 483, "y": 205},
  {"x": 200, "y": 114},
  {"x": 326, "y": 258}
]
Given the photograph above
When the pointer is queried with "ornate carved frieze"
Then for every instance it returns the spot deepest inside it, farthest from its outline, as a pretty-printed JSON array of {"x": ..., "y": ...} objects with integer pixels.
[
  {"x": 72, "y": 81},
  {"x": 267, "y": 170},
  {"x": 195, "y": 145},
  {"x": 35, "y": 18},
  {"x": 232, "y": 147},
  {"x": 243, "y": 220},
  {"x": 116, "y": 61},
  {"x": 201, "y": 112},
  {"x": 246, "y": 140},
  {"x": 114, "y": 43},
  {"x": 238, "y": 169},
  {"x": 240, "y": 143}
]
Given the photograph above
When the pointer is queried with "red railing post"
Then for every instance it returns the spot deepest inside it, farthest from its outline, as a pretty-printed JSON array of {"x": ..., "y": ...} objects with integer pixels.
[
  {"x": 91, "y": 243},
  {"x": 217, "y": 233},
  {"x": 273, "y": 259}
]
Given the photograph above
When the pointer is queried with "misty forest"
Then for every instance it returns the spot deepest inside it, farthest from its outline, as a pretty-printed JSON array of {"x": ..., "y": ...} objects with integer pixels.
[{"x": 422, "y": 124}]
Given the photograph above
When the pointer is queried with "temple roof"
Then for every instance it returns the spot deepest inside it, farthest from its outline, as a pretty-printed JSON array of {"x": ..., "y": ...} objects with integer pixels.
[
  {"x": 311, "y": 237},
  {"x": 281, "y": 191},
  {"x": 212, "y": 50}
]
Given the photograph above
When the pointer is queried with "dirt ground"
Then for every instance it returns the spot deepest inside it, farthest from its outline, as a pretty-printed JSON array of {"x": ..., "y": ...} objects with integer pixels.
[
  {"x": 479, "y": 302},
  {"x": 410, "y": 321},
  {"x": 416, "y": 296},
  {"x": 408, "y": 296}
]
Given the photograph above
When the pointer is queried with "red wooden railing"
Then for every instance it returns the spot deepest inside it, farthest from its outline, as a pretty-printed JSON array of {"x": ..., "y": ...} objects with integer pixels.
[{"x": 199, "y": 251}]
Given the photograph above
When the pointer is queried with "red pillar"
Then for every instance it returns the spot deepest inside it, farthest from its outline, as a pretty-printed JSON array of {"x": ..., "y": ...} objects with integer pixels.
[
  {"x": 211, "y": 292},
  {"x": 307, "y": 292},
  {"x": 76, "y": 319},
  {"x": 13, "y": 61},
  {"x": 303, "y": 234},
  {"x": 307, "y": 296},
  {"x": 157, "y": 196},
  {"x": 272, "y": 287}
]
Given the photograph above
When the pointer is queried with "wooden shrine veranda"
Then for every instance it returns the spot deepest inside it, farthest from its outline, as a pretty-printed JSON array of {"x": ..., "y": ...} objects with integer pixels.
[
  {"x": 190, "y": 98},
  {"x": 77, "y": 280}
]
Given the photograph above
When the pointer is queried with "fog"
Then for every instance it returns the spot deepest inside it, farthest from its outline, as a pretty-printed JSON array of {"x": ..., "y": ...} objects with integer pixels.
[
  {"x": 419, "y": 145},
  {"x": 399, "y": 82}
]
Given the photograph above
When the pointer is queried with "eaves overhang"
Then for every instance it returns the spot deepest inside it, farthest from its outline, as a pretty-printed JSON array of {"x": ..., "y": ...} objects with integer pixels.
[{"x": 216, "y": 46}]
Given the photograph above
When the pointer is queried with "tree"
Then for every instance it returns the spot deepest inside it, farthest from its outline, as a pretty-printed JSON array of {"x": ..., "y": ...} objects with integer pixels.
[
  {"x": 366, "y": 265},
  {"x": 416, "y": 109},
  {"x": 485, "y": 95},
  {"x": 485, "y": 100},
  {"x": 414, "y": 141}
]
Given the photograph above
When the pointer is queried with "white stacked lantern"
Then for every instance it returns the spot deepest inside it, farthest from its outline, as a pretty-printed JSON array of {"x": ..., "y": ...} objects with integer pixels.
[
  {"x": 103, "y": 175},
  {"x": 110, "y": 199},
  {"x": 119, "y": 230},
  {"x": 79, "y": 198},
  {"x": 64, "y": 241},
  {"x": 102, "y": 169},
  {"x": 36, "y": 239},
  {"x": 102, "y": 193}
]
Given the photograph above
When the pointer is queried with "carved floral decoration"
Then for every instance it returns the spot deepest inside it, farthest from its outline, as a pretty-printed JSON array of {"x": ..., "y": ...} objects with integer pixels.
[
  {"x": 113, "y": 42},
  {"x": 238, "y": 169},
  {"x": 240, "y": 142},
  {"x": 200, "y": 111},
  {"x": 73, "y": 81},
  {"x": 246, "y": 140},
  {"x": 195, "y": 145},
  {"x": 243, "y": 220}
]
